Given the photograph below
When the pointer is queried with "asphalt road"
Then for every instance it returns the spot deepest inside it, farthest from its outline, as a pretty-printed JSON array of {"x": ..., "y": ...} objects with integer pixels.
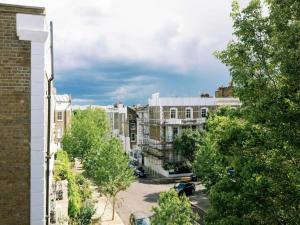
[{"x": 143, "y": 194}]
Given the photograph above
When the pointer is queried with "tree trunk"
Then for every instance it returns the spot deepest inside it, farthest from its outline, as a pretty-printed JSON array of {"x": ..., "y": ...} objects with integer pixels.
[{"x": 113, "y": 212}]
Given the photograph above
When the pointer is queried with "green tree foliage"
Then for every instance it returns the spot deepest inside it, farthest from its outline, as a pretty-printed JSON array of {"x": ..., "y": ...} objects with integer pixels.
[
  {"x": 250, "y": 160},
  {"x": 85, "y": 214},
  {"x": 108, "y": 167},
  {"x": 103, "y": 157},
  {"x": 173, "y": 210},
  {"x": 186, "y": 143},
  {"x": 89, "y": 128},
  {"x": 79, "y": 192}
]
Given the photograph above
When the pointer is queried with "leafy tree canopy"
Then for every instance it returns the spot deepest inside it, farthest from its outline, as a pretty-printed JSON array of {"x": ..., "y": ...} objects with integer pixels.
[
  {"x": 89, "y": 128},
  {"x": 185, "y": 144},
  {"x": 250, "y": 158},
  {"x": 108, "y": 167},
  {"x": 173, "y": 210}
]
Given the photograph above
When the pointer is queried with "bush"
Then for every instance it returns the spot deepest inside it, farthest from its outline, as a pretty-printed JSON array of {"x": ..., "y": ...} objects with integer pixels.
[
  {"x": 84, "y": 187},
  {"x": 62, "y": 166},
  {"x": 78, "y": 187},
  {"x": 86, "y": 213}
]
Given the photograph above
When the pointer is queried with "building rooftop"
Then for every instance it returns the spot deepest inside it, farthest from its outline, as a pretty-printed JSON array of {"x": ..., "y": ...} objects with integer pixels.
[
  {"x": 63, "y": 98},
  {"x": 156, "y": 100},
  {"x": 11, "y": 8}
]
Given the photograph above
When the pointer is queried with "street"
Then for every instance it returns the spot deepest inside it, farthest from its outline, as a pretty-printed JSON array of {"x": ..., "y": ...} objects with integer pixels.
[{"x": 143, "y": 194}]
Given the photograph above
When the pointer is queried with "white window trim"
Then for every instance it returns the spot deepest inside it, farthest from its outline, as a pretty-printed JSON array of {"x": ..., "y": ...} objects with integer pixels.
[
  {"x": 201, "y": 112},
  {"x": 189, "y": 108},
  {"x": 176, "y": 113}
]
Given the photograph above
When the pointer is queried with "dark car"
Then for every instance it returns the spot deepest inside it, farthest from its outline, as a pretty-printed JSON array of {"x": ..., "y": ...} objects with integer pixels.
[
  {"x": 194, "y": 177},
  {"x": 185, "y": 187},
  {"x": 140, "y": 218},
  {"x": 140, "y": 173},
  {"x": 133, "y": 164}
]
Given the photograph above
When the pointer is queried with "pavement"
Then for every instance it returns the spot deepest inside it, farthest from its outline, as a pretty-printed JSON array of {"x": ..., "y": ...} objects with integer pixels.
[
  {"x": 103, "y": 207},
  {"x": 103, "y": 214}
]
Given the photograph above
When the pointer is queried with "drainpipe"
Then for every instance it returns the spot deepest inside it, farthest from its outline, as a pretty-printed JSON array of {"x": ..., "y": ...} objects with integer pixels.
[{"x": 48, "y": 157}]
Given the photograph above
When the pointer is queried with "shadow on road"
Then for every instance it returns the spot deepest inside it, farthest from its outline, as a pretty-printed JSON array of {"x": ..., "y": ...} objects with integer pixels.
[
  {"x": 200, "y": 200},
  {"x": 152, "y": 198}
]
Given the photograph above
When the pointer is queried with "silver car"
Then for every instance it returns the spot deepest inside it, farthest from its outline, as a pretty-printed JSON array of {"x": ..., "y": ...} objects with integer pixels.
[{"x": 140, "y": 218}]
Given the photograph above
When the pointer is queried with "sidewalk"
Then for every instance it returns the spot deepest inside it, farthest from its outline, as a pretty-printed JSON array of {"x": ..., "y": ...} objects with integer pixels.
[
  {"x": 103, "y": 207},
  {"x": 104, "y": 210}
]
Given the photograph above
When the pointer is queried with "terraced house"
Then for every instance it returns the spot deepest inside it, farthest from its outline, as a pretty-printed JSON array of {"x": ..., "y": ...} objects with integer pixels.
[
  {"x": 26, "y": 104},
  {"x": 62, "y": 116},
  {"x": 167, "y": 117}
]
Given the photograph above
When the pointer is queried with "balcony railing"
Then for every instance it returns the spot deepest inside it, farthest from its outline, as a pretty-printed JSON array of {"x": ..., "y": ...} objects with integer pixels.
[{"x": 184, "y": 121}]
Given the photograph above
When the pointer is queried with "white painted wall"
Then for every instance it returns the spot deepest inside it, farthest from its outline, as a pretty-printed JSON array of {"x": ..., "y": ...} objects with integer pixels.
[{"x": 33, "y": 28}]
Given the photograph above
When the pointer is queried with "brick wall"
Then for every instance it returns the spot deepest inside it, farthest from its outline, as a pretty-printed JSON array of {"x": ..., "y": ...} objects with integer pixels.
[{"x": 14, "y": 119}]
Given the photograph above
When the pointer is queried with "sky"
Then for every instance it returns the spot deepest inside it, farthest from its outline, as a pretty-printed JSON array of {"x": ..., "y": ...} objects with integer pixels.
[{"x": 108, "y": 51}]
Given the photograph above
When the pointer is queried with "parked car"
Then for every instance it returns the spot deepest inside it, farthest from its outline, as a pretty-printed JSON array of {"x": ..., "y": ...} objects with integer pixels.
[
  {"x": 133, "y": 164},
  {"x": 140, "y": 173},
  {"x": 185, "y": 187},
  {"x": 194, "y": 177},
  {"x": 140, "y": 218}
]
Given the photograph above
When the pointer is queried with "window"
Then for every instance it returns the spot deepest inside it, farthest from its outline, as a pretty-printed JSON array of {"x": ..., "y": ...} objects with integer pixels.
[
  {"x": 169, "y": 134},
  {"x": 173, "y": 113},
  {"x": 132, "y": 126},
  {"x": 59, "y": 133},
  {"x": 204, "y": 112},
  {"x": 59, "y": 116},
  {"x": 132, "y": 137},
  {"x": 188, "y": 113},
  {"x": 175, "y": 131}
]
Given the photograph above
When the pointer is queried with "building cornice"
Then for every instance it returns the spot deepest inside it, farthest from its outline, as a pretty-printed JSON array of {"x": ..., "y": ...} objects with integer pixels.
[{"x": 31, "y": 27}]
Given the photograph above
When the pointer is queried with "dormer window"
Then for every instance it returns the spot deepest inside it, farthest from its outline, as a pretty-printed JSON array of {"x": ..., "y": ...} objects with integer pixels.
[
  {"x": 189, "y": 113},
  {"x": 173, "y": 113},
  {"x": 204, "y": 112}
]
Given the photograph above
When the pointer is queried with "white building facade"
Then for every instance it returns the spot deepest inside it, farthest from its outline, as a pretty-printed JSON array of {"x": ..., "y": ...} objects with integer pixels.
[{"x": 167, "y": 117}]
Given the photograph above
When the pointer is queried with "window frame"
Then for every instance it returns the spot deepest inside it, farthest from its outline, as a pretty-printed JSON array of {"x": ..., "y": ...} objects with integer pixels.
[
  {"x": 191, "y": 112},
  {"x": 176, "y": 113},
  {"x": 131, "y": 139},
  {"x": 206, "y": 112},
  {"x": 173, "y": 134},
  {"x": 58, "y": 113}
]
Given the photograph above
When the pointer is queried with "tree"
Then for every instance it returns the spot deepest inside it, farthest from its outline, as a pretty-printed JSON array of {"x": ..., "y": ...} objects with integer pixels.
[
  {"x": 173, "y": 210},
  {"x": 108, "y": 167},
  {"x": 89, "y": 129},
  {"x": 186, "y": 143},
  {"x": 80, "y": 208},
  {"x": 254, "y": 169}
]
